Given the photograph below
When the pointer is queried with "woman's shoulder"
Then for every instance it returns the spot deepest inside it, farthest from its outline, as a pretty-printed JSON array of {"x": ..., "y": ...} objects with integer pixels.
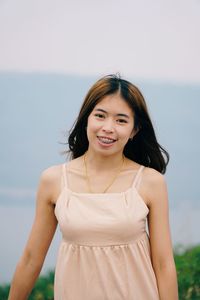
[
  {"x": 153, "y": 183},
  {"x": 153, "y": 176},
  {"x": 51, "y": 173},
  {"x": 50, "y": 179}
]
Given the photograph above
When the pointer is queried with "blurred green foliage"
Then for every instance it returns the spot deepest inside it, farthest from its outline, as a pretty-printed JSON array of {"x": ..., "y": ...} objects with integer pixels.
[
  {"x": 43, "y": 289},
  {"x": 188, "y": 271}
]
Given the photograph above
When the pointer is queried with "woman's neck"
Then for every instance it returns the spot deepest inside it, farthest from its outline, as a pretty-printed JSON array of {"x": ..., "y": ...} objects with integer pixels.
[{"x": 103, "y": 162}]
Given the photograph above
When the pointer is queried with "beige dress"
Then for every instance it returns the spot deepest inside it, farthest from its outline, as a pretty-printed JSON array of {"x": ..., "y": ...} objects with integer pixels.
[{"x": 104, "y": 253}]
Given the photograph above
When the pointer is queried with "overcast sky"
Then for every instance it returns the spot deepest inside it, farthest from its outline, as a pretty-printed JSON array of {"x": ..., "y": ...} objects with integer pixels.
[{"x": 157, "y": 39}]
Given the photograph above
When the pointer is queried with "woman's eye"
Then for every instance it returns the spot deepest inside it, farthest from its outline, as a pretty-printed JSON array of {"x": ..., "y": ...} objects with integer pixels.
[
  {"x": 121, "y": 121},
  {"x": 99, "y": 116}
]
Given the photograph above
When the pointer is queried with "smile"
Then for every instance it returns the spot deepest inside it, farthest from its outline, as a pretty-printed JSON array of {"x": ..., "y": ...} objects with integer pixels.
[{"x": 106, "y": 140}]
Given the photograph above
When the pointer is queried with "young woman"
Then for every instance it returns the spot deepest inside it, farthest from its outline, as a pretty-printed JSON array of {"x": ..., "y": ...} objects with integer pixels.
[{"x": 102, "y": 199}]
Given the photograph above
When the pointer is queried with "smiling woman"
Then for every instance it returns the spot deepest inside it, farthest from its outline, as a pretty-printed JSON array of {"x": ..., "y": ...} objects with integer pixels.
[
  {"x": 109, "y": 99},
  {"x": 102, "y": 200},
  {"x": 110, "y": 124}
]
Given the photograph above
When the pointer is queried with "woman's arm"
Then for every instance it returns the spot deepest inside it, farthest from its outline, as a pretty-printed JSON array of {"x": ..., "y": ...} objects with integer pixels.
[
  {"x": 41, "y": 235},
  {"x": 160, "y": 239}
]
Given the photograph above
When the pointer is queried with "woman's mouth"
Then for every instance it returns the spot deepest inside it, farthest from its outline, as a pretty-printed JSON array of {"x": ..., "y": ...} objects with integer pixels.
[{"x": 106, "y": 140}]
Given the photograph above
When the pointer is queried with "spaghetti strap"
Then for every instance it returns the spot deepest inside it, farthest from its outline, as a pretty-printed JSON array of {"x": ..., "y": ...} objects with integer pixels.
[
  {"x": 138, "y": 177},
  {"x": 64, "y": 175}
]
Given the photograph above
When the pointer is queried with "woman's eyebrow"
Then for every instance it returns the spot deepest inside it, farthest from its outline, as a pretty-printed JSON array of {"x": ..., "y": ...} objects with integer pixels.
[
  {"x": 119, "y": 115},
  {"x": 123, "y": 115},
  {"x": 102, "y": 110}
]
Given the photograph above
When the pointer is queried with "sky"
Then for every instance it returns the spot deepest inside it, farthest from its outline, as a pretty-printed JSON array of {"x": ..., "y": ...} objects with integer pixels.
[{"x": 156, "y": 39}]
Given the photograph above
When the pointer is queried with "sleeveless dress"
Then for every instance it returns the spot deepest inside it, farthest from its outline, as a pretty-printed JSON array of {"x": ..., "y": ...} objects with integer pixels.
[{"x": 104, "y": 253}]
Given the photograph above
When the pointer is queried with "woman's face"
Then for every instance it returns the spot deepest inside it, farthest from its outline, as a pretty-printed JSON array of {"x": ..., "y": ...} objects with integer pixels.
[{"x": 110, "y": 125}]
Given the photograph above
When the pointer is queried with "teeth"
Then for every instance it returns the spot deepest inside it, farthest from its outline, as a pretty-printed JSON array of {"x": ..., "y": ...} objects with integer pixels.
[{"x": 106, "y": 141}]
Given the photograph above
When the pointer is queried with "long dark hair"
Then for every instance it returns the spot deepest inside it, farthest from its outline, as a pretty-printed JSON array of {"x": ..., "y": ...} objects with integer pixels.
[{"x": 143, "y": 148}]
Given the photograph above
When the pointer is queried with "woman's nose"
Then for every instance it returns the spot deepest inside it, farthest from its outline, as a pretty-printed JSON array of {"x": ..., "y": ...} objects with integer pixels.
[{"x": 108, "y": 126}]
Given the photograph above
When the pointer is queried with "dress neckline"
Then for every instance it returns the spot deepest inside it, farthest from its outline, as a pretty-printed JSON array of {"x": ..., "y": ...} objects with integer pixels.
[{"x": 105, "y": 195}]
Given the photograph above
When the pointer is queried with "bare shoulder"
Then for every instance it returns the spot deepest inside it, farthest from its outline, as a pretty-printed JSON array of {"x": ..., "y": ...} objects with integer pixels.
[
  {"x": 153, "y": 177},
  {"x": 153, "y": 185},
  {"x": 50, "y": 182},
  {"x": 51, "y": 173}
]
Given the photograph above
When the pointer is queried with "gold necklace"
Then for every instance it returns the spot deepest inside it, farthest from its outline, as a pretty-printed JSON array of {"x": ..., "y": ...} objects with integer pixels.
[{"x": 112, "y": 181}]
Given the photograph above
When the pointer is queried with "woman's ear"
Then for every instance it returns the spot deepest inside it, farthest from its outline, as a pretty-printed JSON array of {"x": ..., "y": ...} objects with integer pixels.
[{"x": 133, "y": 133}]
